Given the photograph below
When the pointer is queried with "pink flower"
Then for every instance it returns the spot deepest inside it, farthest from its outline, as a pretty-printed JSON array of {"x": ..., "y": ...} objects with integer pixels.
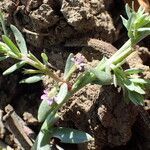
[
  {"x": 46, "y": 97},
  {"x": 79, "y": 61}
]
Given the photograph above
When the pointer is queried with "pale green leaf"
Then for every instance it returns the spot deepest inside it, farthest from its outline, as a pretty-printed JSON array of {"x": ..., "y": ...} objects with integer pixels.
[
  {"x": 115, "y": 80},
  {"x": 14, "y": 67},
  {"x": 32, "y": 79},
  {"x": 42, "y": 141},
  {"x": 62, "y": 93},
  {"x": 124, "y": 21},
  {"x": 70, "y": 67},
  {"x": 133, "y": 87},
  {"x": 128, "y": 10},
  {"x": 19, "y": 40},
  {"x": 43, "y": 111},
  {"x": 140, "y": 81},
  {"x": 68, "y": 135},
  {"x": 50, "y": 120},
  {"x": 144, "y": 29}
]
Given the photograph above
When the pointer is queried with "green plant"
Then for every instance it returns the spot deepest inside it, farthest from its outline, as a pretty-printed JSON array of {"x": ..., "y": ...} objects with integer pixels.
[{"x": 108, "y": 71}]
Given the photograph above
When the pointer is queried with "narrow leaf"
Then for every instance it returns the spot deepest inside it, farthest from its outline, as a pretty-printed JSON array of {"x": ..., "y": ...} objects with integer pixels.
[
  {"x": 69, "y": 66},
  {"x": 44, "y": 57},
  {"x": 115, "y": 80},
  {"x": 136, "y": 98},
  {"x": 32, "y": 79},
  {"x": 31, "y": 71},
  {"x": 133, "y": 71},
  {"x": 67, "y": 135},
  {"x": 11, "y": 45},
  {"x": 144, "y": 29},
  {"x": 124, "y": 21},
  {"x": 19, "y": 39},
  {"x": 102, "y": 62},
  {"x": 50, "y": 120},
  {"x": 43, "y": 110},
  {"x": 84, "y": 79},
  {"x": 140, "y": 81},
  {"x": 42, "y": 141},
  {"x": 4, "y": 48},
  {"x": 133, "y": 87},
  {"x": 14, "y": 67},
  {"x": 30, "y": 55},
  {"x": 62, "y": 93},
  {"x": 128, "y": 10}
]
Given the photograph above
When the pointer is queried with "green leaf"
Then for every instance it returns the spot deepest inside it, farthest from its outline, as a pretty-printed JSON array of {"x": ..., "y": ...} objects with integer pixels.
[
  {"x": 45, "y": 108},
  {"x": 103, "y": 77},
  {"x": 62, "y": 93},
  {"x": 133, "y": 87},
  {"x": 50, "y": 120},
  {"x": 128, "y": 10},
  {"x": 124, "y": 21},
  {"x": 129, "y": 25},
  {"x": 43, "y": 111},
  {"x": 102, "y": 62},
  {"x": 32, "y": 79},
  {"x": 84, "y": 79},
  {"x": 4, "y": 48},
  {"x": 70, "y": 67},
  {"x": 140, "y": 10},
  {"x": 42, "y": 141},
  {"x": 31, "y": 71},
  {"x": 133, "y": 71},
  {"x": 140, "y": 81},
  {"x": 19, "y": 40},
  {"x": 44, "y": 57},
  {"x": 136, "y": 98},
  {"x": 14, "y": 67},
  {"x": 3, "y": 58},
  {"x": 68, "y": 135},
  {"x": 11, "y": 45}
]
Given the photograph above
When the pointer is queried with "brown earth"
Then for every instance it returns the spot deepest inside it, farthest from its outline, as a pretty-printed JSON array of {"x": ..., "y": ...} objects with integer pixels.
[{"x": 49, "y": 25}]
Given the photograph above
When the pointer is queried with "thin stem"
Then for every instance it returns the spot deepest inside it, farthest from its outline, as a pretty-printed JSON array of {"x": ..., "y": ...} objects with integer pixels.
[{"x": 41, "y": 67}]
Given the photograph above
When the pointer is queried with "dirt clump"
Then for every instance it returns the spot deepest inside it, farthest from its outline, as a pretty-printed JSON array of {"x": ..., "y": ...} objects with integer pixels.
[{"x": 52, "y": 22}]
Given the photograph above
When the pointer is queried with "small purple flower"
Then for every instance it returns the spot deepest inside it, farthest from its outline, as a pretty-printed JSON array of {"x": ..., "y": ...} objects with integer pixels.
[
  {"x": 46, "y": 97},
  {"x": 79, "y": 61}
]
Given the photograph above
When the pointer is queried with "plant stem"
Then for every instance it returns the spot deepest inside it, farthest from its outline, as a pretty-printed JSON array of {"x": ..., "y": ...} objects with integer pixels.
[{"x": 42, "y": 68}]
